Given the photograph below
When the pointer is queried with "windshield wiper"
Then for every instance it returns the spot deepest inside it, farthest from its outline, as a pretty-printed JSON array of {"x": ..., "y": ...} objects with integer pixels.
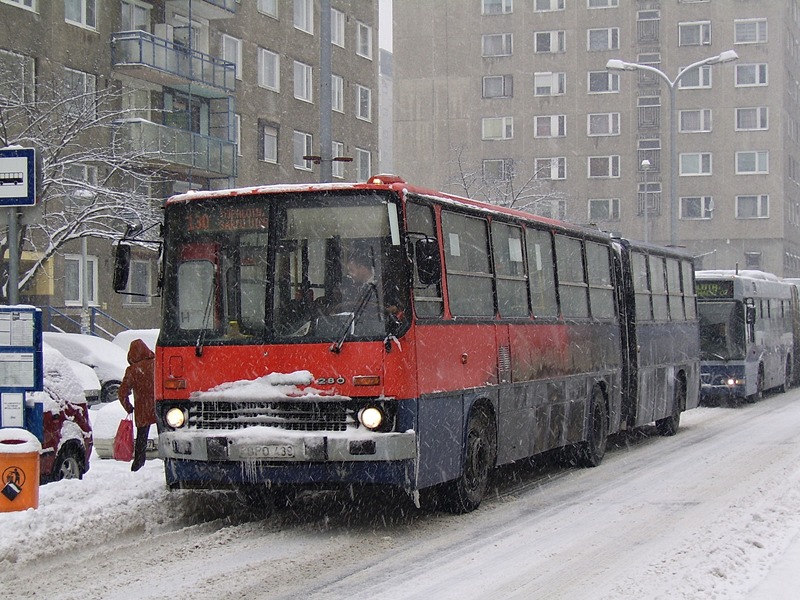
[
  {"x": 336, "y": 347},
  {"x": 198, "y": 345}
]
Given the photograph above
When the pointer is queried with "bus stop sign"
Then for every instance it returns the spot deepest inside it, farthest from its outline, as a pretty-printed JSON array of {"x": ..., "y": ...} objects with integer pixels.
[{"x": 17, "y": 176}]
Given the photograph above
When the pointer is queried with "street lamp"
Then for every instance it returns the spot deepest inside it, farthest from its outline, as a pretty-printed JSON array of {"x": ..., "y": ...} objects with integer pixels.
[{"x": 615, "y": 64}]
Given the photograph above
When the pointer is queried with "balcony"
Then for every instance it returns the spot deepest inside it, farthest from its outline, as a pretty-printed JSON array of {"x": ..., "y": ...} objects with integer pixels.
[
  {"x": 178, "y": 149},
  {"x": 206, "y": 9},
  {"x": 144, "y": 56}
]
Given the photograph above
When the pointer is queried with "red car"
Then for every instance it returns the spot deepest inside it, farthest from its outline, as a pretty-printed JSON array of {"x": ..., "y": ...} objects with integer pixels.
[{"x": 67, "y": 430}]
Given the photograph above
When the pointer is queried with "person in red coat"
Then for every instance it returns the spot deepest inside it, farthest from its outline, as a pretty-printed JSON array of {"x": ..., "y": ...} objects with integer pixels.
[{"x": 140, "y": 379}]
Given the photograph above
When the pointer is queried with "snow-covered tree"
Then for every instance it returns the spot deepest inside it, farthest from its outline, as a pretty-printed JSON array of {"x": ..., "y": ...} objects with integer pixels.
[
  {"x": 506, "y": 186},
  {"x": 93, "y": 182}
]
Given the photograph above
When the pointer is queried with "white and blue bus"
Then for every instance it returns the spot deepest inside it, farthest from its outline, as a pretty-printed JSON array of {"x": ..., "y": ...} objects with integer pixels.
[{"x": 746, "y": 334}]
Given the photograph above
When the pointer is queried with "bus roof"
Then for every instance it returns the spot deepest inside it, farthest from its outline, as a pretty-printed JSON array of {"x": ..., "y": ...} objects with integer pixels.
[
  {"x": 731, "y": 274},
  {"x": 382, "y": 183}
]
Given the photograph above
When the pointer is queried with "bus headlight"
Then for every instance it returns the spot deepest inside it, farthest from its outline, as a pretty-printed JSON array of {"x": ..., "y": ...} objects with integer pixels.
[
  {"x": 175, "y": 418},
  {"x": 371, "y": 417}
]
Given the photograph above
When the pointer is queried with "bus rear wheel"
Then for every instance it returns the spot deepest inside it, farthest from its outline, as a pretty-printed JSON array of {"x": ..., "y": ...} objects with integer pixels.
[
  {"x": 464, "y": 494},
  {"x": 591, "y": 451},
  {"x": 669, "y": 425}
]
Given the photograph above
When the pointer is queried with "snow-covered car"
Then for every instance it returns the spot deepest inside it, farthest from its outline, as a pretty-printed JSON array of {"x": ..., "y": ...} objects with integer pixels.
[
  {"x": 105, "y": 420},
  {"x": 88, "y": 380},
  {"x": 124, "y": 338},
  {"x": 108, "y": 360},
  {"x": 66, "y": 428}
]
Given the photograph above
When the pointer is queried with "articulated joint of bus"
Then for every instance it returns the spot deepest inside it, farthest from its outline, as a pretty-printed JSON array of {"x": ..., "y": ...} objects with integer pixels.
[{"x": 280, "y": 431}]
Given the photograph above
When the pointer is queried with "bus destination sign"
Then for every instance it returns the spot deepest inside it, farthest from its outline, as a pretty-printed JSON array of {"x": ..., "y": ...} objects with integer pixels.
[
  {"x": 234, "y": 218},
  {"x": 714, "y": 289}
]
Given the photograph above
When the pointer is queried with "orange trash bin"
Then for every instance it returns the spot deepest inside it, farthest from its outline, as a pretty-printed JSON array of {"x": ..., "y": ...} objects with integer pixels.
[{"x": 19, "y": 470}]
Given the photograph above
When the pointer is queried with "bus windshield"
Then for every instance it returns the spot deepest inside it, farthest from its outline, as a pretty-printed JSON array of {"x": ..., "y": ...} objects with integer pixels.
[
  {"x": 284, "y": 268},
  {"x": 722, "y": 330}
]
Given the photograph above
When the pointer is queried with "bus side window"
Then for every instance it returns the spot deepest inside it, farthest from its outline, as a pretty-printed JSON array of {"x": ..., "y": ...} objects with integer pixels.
[
  {"x": 601, "y": 292},
  {"x": 420, "y": 224},
  {"x": 512, "y": 292},
  {"x": 469, "y": 276},
  {"x": 541, "y": 279},
  {"x": 572, "y": 288},
  {"x": 674, "y": 290},
  {"x": 689, "y": 299},
  {"x": 658, "y": 288},
  {"x": 641, "y": 286}
]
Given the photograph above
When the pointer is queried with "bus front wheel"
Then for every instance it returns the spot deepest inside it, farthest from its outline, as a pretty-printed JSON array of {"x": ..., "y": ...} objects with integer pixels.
[{"x": 464, "y": 494}]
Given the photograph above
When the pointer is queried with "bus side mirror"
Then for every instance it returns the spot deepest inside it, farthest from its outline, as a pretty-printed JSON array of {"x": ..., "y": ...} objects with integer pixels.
[
  {"x": 122, "y": 266},
  {"x": 426, "y": 254}
]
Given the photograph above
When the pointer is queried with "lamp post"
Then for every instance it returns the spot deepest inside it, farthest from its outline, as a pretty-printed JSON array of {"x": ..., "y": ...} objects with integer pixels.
[
  {"x": 645, "y": 209},
  {"x": 615, "y": 64}
]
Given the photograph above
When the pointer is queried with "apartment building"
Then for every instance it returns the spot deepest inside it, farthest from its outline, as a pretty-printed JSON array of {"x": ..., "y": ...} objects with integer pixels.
[
  {"x": 512, "y": 101},
  {"x": 212, "y": 94}
]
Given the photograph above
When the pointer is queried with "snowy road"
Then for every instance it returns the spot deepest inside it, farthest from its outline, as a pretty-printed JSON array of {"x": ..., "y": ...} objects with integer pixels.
[{"x": 713, "y": 512}]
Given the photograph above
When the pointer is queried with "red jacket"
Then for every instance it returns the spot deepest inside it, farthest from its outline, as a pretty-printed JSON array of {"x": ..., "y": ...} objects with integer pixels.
[{"x": 140, "y": 379}]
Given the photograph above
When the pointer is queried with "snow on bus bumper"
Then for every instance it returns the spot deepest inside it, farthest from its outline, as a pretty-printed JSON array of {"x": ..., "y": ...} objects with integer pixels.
[{"x": 270, "y": 445}]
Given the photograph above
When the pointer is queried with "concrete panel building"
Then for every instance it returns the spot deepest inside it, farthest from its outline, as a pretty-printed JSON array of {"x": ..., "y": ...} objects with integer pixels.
[{"x": 512, "y": 101}]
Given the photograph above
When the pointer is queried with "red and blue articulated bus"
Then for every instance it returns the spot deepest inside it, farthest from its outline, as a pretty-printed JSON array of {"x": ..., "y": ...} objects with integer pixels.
[{"x": 380, "y": 333}]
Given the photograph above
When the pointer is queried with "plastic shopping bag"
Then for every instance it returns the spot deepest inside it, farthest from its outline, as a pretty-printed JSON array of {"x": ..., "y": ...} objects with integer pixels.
[{"x": 123, "y": 441}]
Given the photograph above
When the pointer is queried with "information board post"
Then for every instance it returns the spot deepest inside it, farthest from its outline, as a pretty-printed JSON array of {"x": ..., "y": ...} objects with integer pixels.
[{"x": 21, "y": 364}]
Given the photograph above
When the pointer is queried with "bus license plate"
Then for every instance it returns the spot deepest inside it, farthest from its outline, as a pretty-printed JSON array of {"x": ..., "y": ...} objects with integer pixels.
[{"x": 267, "y": 451}]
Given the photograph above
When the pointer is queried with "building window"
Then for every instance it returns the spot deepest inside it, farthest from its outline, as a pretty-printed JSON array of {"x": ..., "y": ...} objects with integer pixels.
[
  {"x": 304, "y": 15},
  {"x": 696, "y": 78},
  {"x": 337, "y": 93},
  {"x": 74, "y": 280},
  {"x": 135, "y": 16},
  {"x": 18, "y": 74},
  {"x": 303, "y": 82},
  {"x": 751, "y": 75},
  {"x": 752, "y": 207},
  {"x": 752, "y": 118},
  {"x": 498, "y": 86},
  {"x": 695, "y": 163},
  {"x": 551, "y": 168},
  {"x": 268, "y": 148},
  {"x": 550, "y": 126},
  {"x": 603, "y": 82},
  {"x": 29, "y": 4},
  {"x": 649, "y": 112},
  {"x": 269, "y": 68},
  {"x": 602, "y": 39},
  {"x": 81, "y": 12},
  {"x": 138, "y": 289},
  {"x": 497, "y": 44},
  {"x": 268, "y": 7},
  {"x": 750, "y": 31},
  {"x": 548, "y": 5},
  {"x": 80, "y": 91},
  {"x": 695, "y": 121},
  {"x": 498, "y": 7},
  {"x": 752, "y": 260},
  {"x": 549, "y": 84},
  {"x": 550, "y": 42},
  {"x": 602, "y": 3},
  {"x": 604, "y": 166},
  {"x": 237, "y": 133},
  {"x": 696, "y": 207},
  {"x": 364, "y": 41},
  {"x": 363, "y": 103},
  {"x": 337, "y": 166},
  {"x": 602, "y": 124},
  {"x": 498, "y": 169},
  {"x": 752, "y": 162},
  {"x": 497, "y": 128},
  {"x": 603, "y": 209},
  {"x": 232, "y": 52},
  {"x": 363, "y": 164},
  {"x": 694, "y": 34},
  {"x": 303, "y": 146},
  {"x": 337, "y": 27}
]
